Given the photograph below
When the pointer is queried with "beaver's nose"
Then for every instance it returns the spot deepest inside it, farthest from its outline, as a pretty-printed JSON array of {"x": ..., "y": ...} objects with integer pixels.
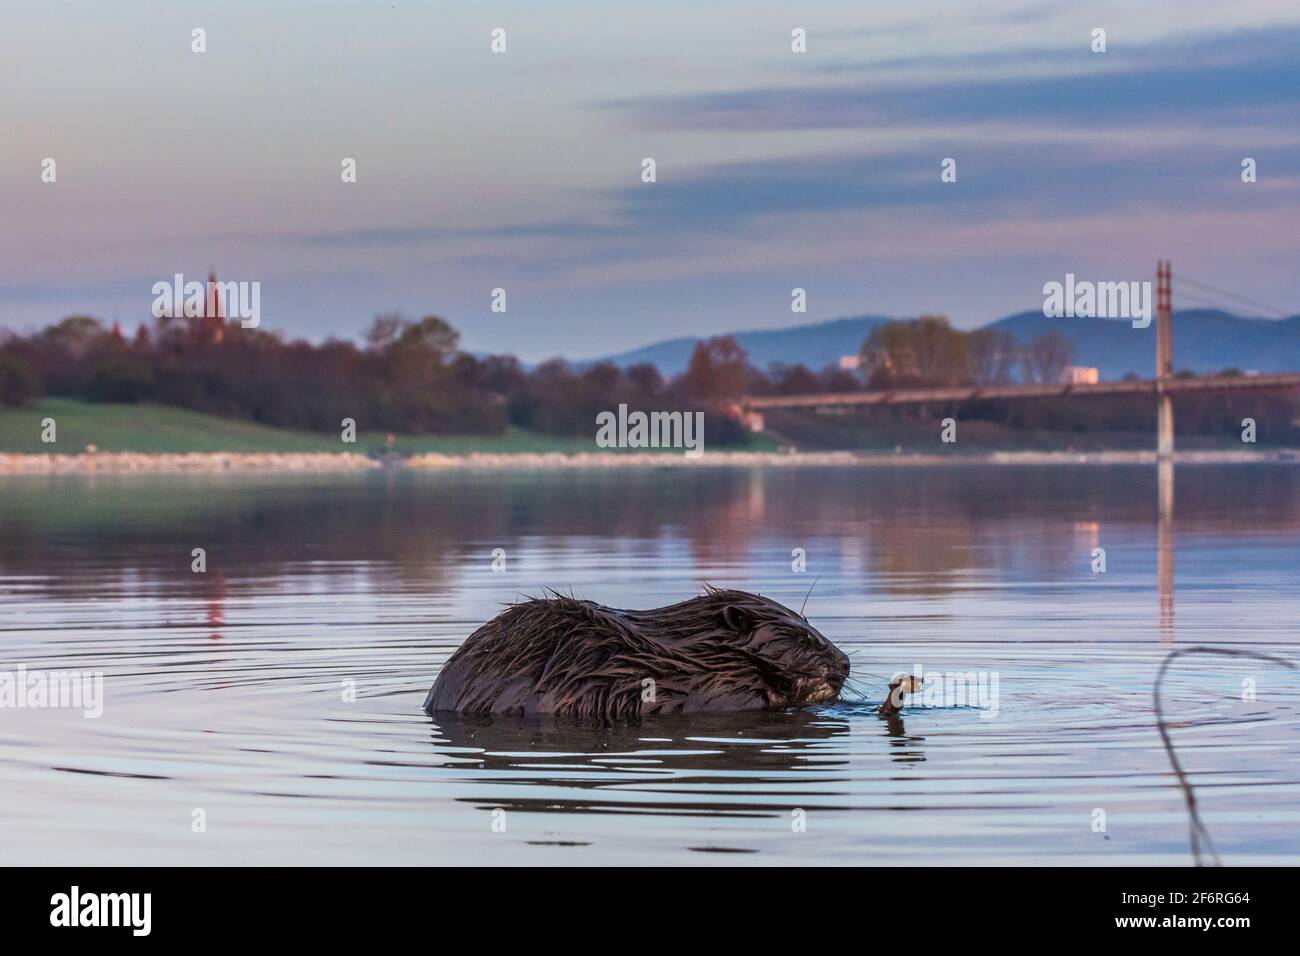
[
  {"x": 835, "y": 675},
  {"x": 841, "y": 666}
]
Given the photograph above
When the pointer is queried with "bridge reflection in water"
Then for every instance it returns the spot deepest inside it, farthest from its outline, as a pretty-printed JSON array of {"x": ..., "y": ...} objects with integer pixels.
[{"x": 1165, "y": 548}]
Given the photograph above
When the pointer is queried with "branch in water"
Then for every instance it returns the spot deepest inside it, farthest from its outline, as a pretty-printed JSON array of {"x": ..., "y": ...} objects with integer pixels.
[
  {"x": 899, "y": 687},
  {"x": 1195, "y": 826}
]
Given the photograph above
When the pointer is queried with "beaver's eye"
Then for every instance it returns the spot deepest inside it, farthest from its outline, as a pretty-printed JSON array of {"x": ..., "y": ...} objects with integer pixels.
[{"x": 737, "y": 618}]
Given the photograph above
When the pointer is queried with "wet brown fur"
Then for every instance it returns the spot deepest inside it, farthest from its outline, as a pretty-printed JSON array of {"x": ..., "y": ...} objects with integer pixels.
[{"x": 722, "y": 651}]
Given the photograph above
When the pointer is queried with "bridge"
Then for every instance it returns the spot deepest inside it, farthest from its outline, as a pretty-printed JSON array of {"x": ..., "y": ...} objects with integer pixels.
[
  {"x": 974, "y": 393},
  {"x": 1162, "y": 388}
]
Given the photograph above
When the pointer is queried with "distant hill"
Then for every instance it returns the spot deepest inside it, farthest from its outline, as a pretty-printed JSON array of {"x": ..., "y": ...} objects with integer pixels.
[
  {"x": 1205, "y": 340},
  {"x": 814, "y": 345}
]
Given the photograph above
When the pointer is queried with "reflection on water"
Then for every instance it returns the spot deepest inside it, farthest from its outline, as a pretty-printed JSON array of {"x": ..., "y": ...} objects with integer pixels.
[
  {"x": 1165, "y": 547},
  {"x": 279, "y": 692},
  {"x": 706, "y": 752}
]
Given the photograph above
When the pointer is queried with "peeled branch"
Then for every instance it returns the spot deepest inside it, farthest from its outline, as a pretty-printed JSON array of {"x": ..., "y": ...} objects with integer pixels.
[{"x": 899, "y": 688}]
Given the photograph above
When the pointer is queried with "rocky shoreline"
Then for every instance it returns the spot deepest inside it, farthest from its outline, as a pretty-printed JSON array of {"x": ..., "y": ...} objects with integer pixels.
[
  {"x": 310, "y": 462},
  {"x": 495, "y": 461},
  {"x": 204, "y": 462}
]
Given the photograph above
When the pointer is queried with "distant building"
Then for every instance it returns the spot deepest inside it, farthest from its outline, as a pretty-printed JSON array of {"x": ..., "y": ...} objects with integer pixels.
[
  {"x": 850, "y": 362},
  {"x": 206, "y": 325},
  {"x": 1080, "y": 375},
  {"x": 750, "y": 419},
  {"x": 212, "y": 323}
]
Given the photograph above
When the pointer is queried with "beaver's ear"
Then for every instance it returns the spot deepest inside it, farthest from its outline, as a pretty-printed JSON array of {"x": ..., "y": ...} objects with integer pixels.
[{"x": 737, "y": 618}]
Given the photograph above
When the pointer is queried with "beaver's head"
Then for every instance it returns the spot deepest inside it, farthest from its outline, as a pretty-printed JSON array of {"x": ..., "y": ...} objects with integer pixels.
[{"x": 797, "y": 664}]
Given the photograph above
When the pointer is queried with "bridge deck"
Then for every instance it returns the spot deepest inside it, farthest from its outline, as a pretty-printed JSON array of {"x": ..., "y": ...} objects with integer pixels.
[{"x": 969, "y": 393}]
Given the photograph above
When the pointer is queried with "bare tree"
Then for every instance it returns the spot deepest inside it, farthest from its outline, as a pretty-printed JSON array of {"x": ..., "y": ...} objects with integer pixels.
[
  {"x": 992, "y": 353},
  {"x": 1045, "y": 358},
  {"x": 384, "y": 330}
]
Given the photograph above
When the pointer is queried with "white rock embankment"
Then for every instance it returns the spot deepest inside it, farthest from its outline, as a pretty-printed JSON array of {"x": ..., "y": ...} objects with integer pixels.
[{"x": 104, "y": 462}]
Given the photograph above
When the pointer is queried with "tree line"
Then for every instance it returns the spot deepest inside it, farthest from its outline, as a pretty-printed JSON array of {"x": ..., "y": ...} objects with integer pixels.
[
  {"x": 411, "y": 376},
  {"x": 929, "y": 352},
  {"x": 406, "y": 376}
]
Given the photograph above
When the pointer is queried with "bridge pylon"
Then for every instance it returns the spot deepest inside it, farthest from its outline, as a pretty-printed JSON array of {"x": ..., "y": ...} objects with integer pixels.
[{"x": 1164, "y": 359}]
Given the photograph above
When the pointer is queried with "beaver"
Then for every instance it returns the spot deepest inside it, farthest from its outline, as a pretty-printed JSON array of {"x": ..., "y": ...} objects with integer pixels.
[{"x": 722, "y": 651}]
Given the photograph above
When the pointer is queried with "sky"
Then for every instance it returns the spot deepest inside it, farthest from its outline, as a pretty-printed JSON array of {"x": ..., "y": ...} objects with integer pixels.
[{"x": 522, "y": 170}]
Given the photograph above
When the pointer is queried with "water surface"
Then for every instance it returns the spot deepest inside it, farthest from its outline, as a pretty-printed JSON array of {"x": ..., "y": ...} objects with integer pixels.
[{"x": 279, "y": 691}]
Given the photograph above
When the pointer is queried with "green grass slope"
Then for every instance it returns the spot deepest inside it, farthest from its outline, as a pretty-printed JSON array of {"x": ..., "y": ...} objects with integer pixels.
[{"x": 160, "y": 428}]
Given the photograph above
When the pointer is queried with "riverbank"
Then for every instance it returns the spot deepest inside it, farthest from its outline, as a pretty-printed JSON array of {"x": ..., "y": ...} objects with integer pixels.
[
  {"x": 751, "y": 459},
  {"x": 166, "y": 430},
  {"x": 183, "y": 462},
  {"x": 95, "y": 439},
  {"x": 307, "y": 462}
]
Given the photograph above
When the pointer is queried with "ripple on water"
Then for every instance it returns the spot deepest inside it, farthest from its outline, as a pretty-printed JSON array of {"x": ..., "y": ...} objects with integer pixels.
[{"x": 284, "y": 702}]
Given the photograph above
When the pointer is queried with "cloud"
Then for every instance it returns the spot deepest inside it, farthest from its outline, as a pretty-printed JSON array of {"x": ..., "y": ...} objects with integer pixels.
[
  {"x": 995, "y": 180},
  {"x": 1163, "y": 83}
]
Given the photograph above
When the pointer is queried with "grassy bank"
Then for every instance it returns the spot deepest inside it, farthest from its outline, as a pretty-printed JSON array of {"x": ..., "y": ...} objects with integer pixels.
[{"x": 158, "y": 429}]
